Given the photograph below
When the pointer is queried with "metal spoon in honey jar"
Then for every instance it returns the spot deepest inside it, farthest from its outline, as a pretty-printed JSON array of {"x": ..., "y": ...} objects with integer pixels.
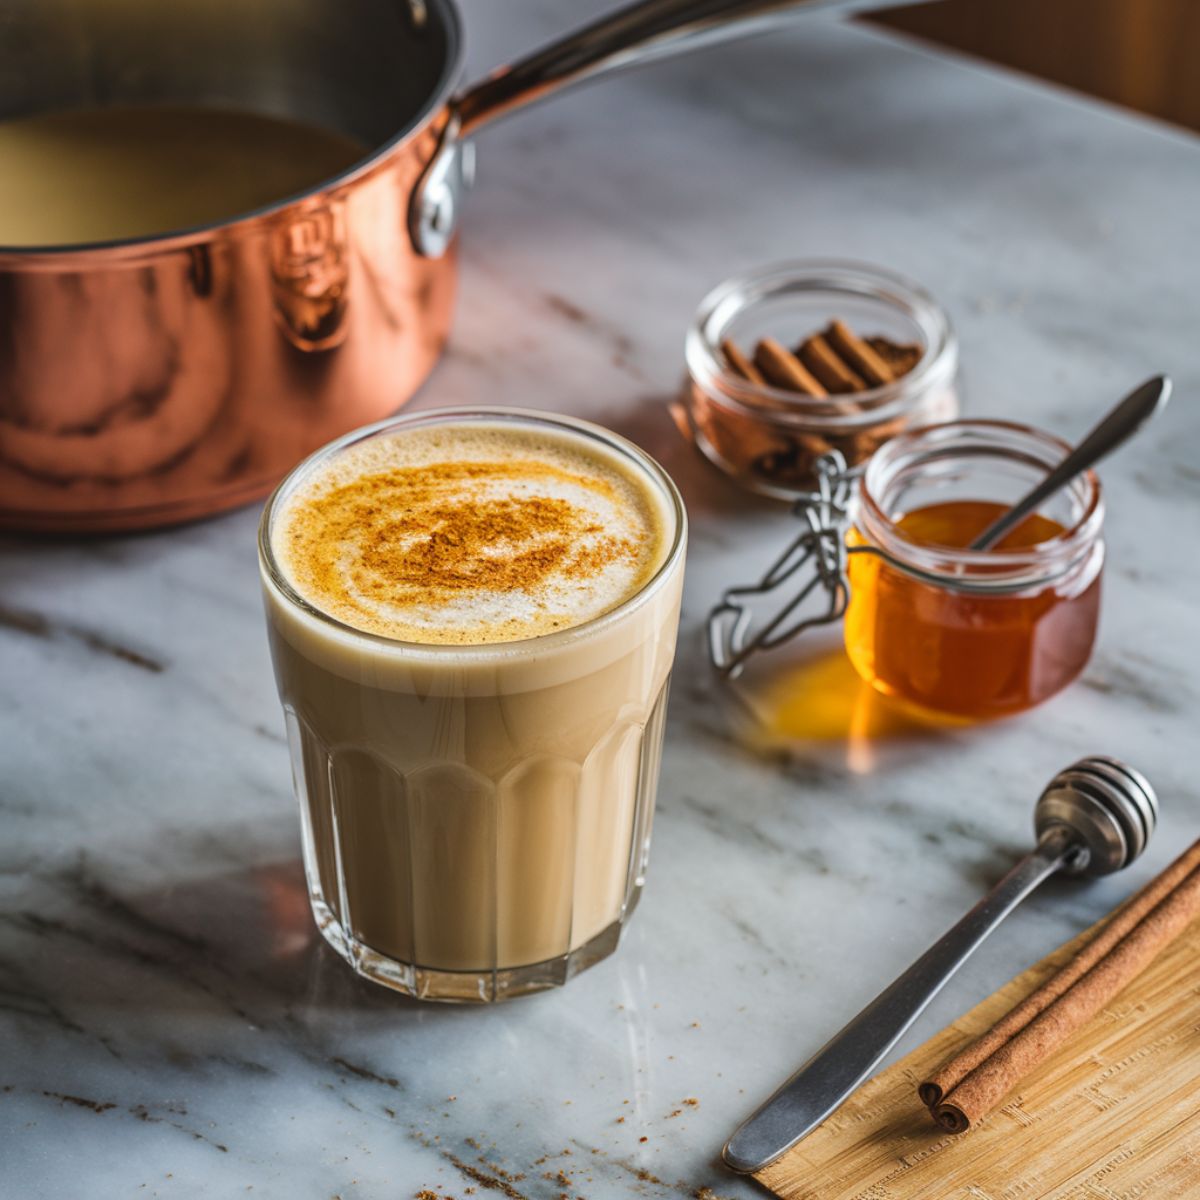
[{"x": 1120, "y": 424}]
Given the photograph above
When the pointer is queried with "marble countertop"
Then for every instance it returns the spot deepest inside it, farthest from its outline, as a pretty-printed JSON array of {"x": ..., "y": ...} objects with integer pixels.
[{"x": 173, "y": 1026}]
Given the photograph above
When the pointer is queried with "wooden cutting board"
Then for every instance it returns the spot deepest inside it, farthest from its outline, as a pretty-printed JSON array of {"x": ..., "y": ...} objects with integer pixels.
[{"x": 1114, "y": 1115}]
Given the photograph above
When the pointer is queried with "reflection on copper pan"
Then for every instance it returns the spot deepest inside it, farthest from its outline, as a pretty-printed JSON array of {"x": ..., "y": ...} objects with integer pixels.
[{"x": 144, "y": 388}]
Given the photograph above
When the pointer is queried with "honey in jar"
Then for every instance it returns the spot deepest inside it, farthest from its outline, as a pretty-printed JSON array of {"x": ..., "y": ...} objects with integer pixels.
[{"x": 959, "y": 633}]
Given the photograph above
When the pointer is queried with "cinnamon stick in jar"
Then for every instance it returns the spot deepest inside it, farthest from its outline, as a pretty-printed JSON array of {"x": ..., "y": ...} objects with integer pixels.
[
  {"x": 831, "y": 362},
  {"x": 740, "y": 363},
  {"x": 859, "y": 354},
  {"x": 804, "y": 395},
  {"x": 976, "y": 1080},
  {"x": 782, "y": 368},
  {"x": 819, "y": 357}
]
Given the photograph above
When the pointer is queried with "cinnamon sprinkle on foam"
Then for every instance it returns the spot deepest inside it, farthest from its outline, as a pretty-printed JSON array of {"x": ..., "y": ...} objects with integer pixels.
[{"x": 469, "y": 534}]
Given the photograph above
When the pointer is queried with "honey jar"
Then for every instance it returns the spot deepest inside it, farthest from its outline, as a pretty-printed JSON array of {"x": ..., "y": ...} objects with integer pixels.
[{"x": 962, "y": 633}]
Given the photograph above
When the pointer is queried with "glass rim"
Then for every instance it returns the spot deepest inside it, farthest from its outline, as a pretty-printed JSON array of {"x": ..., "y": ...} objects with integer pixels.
[
  {"x": 872, "y": 405},
  {"x": 1042, "y": 561},
  {"x": 516, "y": 647}
]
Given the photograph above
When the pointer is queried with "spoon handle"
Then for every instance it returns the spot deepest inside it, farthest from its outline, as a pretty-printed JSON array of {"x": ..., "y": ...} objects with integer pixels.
[
  {"x": 828, "y": 1078},
  {"x": 1122, "y": 422}
]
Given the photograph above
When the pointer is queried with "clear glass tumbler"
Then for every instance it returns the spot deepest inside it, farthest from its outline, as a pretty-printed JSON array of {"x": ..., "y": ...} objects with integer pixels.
[{"x": 476, "y": 819}]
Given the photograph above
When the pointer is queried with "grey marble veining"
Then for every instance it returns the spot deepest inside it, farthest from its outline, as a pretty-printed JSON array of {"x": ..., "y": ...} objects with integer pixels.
[{"x": 171, "y": 1023}]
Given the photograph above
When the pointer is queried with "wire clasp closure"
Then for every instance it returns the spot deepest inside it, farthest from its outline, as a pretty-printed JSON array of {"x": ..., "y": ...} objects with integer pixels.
[{"x": 819, "y": 551}]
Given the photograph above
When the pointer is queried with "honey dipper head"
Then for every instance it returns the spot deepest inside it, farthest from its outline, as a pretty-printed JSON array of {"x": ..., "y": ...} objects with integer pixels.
[{"x": 1108, "y": 806}]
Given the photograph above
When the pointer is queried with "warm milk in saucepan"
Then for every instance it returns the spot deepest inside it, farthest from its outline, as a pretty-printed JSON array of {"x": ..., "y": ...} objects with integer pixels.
[{"x": 102, "y": 174}]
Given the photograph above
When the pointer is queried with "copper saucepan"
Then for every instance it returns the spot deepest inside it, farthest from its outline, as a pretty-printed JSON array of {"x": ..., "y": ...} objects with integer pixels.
[{"x": 154, "y": 380}]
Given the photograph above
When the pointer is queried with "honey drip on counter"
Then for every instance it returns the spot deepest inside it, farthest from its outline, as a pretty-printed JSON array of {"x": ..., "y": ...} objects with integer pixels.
[{"x": 957, "y": 655}]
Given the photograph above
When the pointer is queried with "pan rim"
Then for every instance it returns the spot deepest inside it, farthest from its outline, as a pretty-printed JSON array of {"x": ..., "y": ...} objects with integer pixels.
[{"x": 150, "y": 245}]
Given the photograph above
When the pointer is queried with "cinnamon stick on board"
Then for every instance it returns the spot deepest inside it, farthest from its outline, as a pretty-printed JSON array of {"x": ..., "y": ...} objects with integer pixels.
[
  {"x": 1033, "y": 1030},
  {"x": 955, "y": 1070}
]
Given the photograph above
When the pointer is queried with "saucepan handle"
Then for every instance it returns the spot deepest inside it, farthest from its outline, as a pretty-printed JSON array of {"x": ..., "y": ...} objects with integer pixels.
[
  {"x": 637, "y": 34},
  {"x": 631, "y": 36}
]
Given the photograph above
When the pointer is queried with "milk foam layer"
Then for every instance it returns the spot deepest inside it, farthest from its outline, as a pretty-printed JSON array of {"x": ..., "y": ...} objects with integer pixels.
[{"x": 470, "y": 533}]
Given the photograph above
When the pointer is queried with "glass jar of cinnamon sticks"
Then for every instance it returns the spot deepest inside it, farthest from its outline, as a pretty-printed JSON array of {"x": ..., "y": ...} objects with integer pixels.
[{"x": 787, "y": 363}]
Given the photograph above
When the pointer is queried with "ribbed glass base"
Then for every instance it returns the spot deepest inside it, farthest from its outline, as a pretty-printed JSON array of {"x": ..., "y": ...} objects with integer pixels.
[{"x": 467, "y": 987}]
